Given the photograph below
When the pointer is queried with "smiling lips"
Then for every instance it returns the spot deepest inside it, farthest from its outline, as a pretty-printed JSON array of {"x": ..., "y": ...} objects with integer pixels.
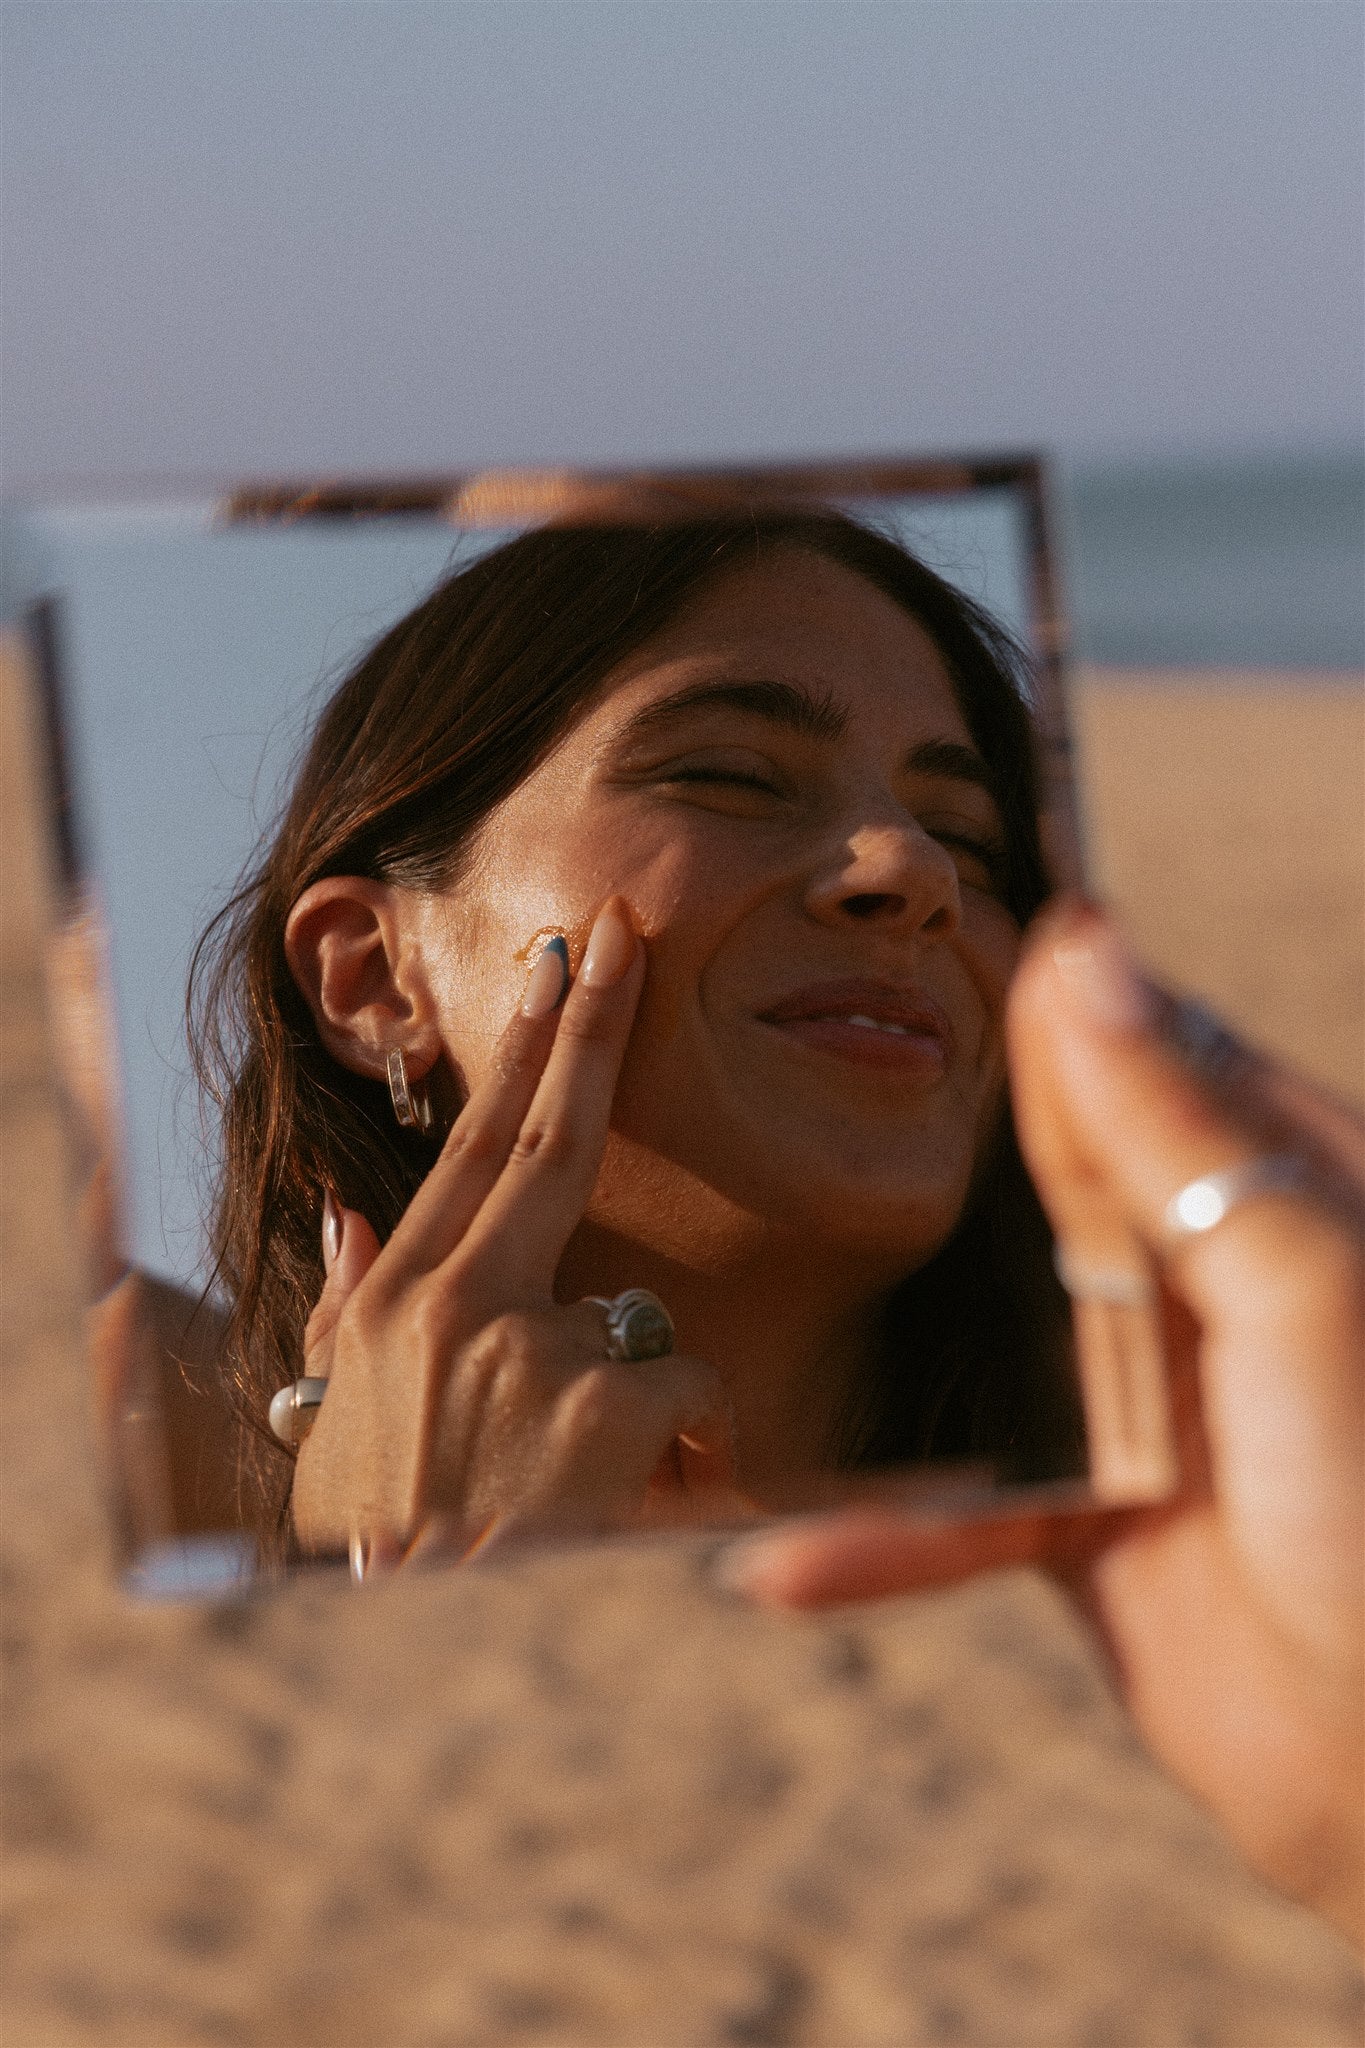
[{"x": 871, "y": 1023}]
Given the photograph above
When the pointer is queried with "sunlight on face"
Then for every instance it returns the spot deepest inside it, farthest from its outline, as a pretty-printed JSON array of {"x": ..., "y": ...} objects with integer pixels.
[{"x": 781, "y": 785}]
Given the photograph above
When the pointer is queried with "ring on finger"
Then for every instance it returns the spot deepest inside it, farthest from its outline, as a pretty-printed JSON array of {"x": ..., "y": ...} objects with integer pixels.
[
  {"x": 1204, "y": 1203},
  {"x": 638, "y": 1324}
]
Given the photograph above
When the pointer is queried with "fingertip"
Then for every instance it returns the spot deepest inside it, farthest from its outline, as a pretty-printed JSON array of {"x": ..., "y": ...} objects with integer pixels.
[
  {"x": 612, "y": 946},
  {"x": 810, "y": 1563},
  {"x": 1080, "y": 949},
  {"x": 358, "y": 1248},
  {"x": 548, "y": 982},
  {"x": 761, "y": 1569}
]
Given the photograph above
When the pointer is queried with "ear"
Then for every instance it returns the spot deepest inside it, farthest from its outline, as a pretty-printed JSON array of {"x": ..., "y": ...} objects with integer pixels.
[{"x": 353, "y": 949}]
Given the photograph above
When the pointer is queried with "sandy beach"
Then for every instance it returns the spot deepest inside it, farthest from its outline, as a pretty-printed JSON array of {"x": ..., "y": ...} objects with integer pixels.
[{"x": 1226, "y": 818}]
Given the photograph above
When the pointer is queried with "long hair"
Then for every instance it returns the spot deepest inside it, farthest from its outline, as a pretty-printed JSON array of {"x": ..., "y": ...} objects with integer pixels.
[{"x": 439, "y": 721}]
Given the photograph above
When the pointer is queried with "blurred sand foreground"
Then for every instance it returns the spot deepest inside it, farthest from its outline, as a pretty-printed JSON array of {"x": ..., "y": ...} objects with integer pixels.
[{"x": 584, "y": 1801}]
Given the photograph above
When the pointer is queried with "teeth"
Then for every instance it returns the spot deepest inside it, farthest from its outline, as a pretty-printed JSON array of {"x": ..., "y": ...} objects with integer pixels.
[{"x": 876, "y": 1024}]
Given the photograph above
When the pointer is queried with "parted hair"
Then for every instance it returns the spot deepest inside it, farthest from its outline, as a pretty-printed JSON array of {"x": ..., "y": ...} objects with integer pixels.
[{"x": 429, "y": 730}]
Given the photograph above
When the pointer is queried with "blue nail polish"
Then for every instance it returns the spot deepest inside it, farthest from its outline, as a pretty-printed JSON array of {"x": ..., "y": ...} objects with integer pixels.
[
  {"x": 548, "y": 981},
  {"x": 559, "y": 946}
]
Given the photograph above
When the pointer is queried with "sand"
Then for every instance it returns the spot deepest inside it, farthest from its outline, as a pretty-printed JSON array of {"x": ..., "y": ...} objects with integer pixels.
[
  {"x": 1226, "y": 819},
  {"x": 587, "y": 1800}
]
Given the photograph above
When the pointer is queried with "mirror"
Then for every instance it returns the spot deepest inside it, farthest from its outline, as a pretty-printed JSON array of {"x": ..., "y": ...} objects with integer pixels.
[{"x": 181, "y": 650}]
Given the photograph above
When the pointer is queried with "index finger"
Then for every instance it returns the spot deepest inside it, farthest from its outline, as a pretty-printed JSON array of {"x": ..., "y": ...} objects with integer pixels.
[
  {"x": 511, "y": 1250},
  {"x": 484, "y": 1132}
]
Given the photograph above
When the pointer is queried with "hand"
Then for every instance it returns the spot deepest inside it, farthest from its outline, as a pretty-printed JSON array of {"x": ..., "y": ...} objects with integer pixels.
[
  {"x": 463, "y": 1405},
  {"x": 1232, "y": 1615}
]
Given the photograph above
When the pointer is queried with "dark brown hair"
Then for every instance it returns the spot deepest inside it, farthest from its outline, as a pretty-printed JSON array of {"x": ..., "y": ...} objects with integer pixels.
[{"x": 432, "y": 728}]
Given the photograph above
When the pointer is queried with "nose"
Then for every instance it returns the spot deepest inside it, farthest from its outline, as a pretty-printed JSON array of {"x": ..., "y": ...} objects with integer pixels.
[{"x": 890, "y": 873}]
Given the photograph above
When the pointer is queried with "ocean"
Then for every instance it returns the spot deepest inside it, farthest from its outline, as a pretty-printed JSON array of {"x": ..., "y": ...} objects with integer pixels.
[{"x": 1250, "y": 565}]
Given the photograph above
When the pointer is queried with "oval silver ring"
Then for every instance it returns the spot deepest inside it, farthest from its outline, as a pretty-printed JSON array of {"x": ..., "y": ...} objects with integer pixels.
[
  {"x": 1204, "y": 1203},
  {"x": 638, "y": 1325}
]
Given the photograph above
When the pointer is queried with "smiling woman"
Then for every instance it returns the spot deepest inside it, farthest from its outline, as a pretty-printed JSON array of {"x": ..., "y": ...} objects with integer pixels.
[{"x": 752, "y": 802}]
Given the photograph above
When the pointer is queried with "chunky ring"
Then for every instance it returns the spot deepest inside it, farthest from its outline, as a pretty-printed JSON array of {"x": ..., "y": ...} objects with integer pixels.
[
  {"x": 638, "y": 1324},
  {"x": 1204, "y": 1203},
  {"x": 294, "y": 1410}
]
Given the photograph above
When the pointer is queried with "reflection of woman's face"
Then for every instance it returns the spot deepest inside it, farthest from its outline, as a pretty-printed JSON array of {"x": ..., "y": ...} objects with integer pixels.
[{"x": 782, "y": 787}]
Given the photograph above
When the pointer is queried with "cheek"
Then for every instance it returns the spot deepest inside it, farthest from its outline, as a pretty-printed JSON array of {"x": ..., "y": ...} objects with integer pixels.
[
  {"x": 472, "y": 999},
  {"x": 991, "y": 944},
  {"x": 567, "y": 886},
  {"x": 537, "y": 874}
]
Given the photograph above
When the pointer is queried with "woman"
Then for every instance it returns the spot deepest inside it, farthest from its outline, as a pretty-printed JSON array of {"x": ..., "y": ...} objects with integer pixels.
[{"x": 763, "y": 792}]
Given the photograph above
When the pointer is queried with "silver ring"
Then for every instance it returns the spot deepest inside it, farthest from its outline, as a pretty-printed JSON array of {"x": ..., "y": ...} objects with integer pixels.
[
  {"x": 638, "y": 1325},
  {"x": 1203, "y": 1203},
  {"x": 294, "y": 1410}
]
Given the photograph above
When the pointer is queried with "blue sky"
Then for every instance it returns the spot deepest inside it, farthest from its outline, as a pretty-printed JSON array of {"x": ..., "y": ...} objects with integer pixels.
[{"x": 259, "y": 235}]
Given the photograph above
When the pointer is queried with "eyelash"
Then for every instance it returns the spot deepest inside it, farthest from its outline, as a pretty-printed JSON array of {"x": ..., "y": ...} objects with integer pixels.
[
  {"x": 724, "y": 775},
  {"x": 985, "y": 849},
  {"x": 990, "y": 852}
]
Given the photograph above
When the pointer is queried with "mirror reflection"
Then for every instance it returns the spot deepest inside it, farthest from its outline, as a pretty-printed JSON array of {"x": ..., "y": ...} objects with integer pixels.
[{"x": 556, "y": 933}]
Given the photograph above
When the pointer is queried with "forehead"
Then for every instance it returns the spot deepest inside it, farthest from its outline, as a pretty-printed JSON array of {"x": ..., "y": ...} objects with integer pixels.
[{"x": 794, "y": 616}]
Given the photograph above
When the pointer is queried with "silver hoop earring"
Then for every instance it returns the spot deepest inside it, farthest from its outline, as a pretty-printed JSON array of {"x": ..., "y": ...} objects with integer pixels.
[{"x": 411, "y": 1102}]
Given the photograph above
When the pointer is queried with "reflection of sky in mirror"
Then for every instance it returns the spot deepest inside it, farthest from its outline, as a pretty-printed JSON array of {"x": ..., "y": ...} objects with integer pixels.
[
  {"x": 195, "y": 662},
  {"x": 976, "y": 543}
]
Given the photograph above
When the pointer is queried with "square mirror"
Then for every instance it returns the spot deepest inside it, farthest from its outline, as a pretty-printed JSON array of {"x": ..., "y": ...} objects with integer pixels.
[{"x": 183, "y": 653}]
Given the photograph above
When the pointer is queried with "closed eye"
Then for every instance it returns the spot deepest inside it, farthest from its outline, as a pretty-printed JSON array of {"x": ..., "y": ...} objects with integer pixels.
[
  {"x": 981, "y": 860},
  {"x": 735, "y": 777}
]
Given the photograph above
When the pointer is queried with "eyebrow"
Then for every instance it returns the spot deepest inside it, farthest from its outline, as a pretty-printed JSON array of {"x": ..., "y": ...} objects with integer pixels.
[
  {"x": 812, "y": 716},
  {"x": 957, "y": 763}
]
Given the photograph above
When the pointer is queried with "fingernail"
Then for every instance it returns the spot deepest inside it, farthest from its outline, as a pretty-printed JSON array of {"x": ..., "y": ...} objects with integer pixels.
[
  {"x": 1099, "y": 970},
  {"x": 1204, "y": 1043},
  {"x": 611, "y": 947},
  {"x": 331, "y": 1230},
  {"x": 548, "y": 979},
  {"x": 360, "y": 1557}
]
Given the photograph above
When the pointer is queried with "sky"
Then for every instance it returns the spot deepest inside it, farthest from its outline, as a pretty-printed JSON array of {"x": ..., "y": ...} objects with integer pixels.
[{"x": 273, "y": 236}]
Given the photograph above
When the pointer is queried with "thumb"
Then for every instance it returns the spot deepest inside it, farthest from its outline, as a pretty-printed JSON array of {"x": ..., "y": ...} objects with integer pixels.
[
  {"x": 349, "y": 1249},
  {"x": 1121, "y": 1103},
  {"x": 1118, "y": 1111}
]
